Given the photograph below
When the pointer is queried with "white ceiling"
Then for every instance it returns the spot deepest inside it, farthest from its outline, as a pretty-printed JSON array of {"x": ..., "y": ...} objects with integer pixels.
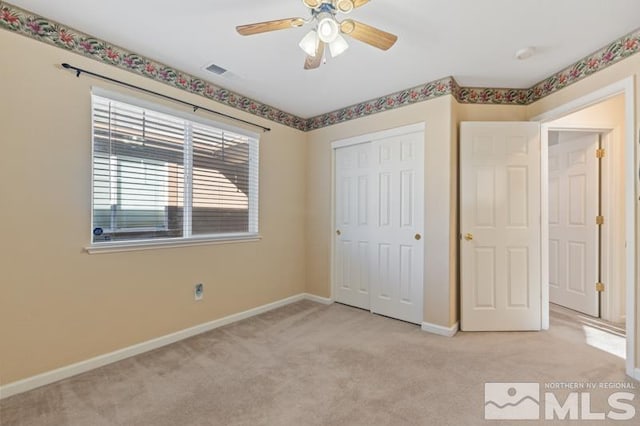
[{"x": 471, "y": 40}]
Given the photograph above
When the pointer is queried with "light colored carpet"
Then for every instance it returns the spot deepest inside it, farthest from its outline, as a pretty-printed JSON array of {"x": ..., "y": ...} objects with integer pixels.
[{"x": 309, "y": 364}]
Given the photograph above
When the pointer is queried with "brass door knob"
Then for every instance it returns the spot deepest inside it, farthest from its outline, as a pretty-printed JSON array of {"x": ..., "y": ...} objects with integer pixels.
[
  {"x": 338, "y": 233},
  {"x": 418, "y": 237},
  {"x": 468, "y": 237}
]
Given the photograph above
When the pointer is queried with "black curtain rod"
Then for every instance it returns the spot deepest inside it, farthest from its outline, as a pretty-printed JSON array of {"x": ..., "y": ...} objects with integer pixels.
[{"x": 131, "y": 86}]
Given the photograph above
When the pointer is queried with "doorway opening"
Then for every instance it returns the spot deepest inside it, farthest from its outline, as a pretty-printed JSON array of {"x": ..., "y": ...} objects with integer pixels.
[
  {"x": 586, "y": 227},
  {"x": 586, "y": 210},
  {"x": 587, "y": 277}
]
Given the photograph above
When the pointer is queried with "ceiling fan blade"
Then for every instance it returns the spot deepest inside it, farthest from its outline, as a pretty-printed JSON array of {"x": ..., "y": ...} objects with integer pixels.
[
  {"x": 313, "y": 62},
  {"x": 263, "y": 27},
  {"x": 368, "y": 34},
  {"x": 358, "y": 3}
]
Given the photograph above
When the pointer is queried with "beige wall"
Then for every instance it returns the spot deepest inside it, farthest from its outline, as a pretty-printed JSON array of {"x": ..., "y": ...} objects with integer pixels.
[
  {"x": 440, "y": 187},
  {"x": 59, "y": 305},
  {"x": 454, "y": 231},
  {"x": 470, "y": 112},
  {"x": 606, "y": 114}
]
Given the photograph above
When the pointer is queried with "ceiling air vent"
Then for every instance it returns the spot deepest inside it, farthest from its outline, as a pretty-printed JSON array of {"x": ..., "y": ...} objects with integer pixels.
[{"x": 216, "y": 69}]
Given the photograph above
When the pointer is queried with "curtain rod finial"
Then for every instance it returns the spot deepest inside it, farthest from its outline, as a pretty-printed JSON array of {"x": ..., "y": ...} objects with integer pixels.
[{"x": 69, "y": 67}]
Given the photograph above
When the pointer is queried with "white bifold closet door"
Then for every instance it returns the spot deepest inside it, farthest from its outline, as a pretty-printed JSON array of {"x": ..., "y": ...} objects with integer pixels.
[
  {"x": 353, "y": 217},
  {"x": 379, "y": 217}
]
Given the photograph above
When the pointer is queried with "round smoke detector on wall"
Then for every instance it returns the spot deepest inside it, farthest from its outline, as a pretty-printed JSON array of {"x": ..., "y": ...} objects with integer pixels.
[{"x": 525, "y": 53}]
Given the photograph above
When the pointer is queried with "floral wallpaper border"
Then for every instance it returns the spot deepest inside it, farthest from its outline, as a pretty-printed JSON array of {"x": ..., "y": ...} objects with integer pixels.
[
  {"x": 616, "y": 51},
  {"x": 42, "y": 29},
  {"x": 406, "y": 97},
  {"x": 26, "y": 23}
]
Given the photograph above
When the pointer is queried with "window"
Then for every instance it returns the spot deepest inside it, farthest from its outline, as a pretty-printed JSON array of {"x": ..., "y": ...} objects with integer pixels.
[{"x": 159, "y": 176}]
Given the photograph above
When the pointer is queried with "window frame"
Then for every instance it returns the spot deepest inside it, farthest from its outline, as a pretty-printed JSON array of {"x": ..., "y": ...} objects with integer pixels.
[{"x": 190, "y": 240}]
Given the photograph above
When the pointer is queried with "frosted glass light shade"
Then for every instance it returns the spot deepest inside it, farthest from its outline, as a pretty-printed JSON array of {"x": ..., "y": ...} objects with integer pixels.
[
  {"x": 309, "y": 43},
  {"x": 338, "y": 46},
  {"x": 328, "y": 29}
]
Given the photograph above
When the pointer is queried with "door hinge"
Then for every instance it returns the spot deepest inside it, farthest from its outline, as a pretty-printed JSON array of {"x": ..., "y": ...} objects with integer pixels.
[
  {"x": 600, "y": 153},
  {"x": 599, "y": 287},
  {"x": 599, "y": 220}
]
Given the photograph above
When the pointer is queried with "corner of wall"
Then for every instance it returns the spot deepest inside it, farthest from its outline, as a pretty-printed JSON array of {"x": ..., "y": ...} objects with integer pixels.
[{"x": 454, "y": 284}]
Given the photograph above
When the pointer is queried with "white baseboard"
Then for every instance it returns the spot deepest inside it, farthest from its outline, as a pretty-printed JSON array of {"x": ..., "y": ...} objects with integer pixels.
[
  {"x": 109, "y": 358},
  {"x": 440, "y": 330},
  {"x": 318, "y": 299}
]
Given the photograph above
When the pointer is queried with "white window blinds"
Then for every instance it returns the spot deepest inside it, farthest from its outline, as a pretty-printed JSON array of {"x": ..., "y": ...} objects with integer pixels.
[{"x": 161, "y": 176}]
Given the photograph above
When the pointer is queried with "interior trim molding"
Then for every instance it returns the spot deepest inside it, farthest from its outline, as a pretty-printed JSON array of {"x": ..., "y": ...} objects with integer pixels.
[
  {"x": 440, "y": 330},
  {"x": 37, "y": 27},
  {"x": 383, "y": 134},
  {"x": 65, "y": 372},
  {"x": 318, "y": 299}
]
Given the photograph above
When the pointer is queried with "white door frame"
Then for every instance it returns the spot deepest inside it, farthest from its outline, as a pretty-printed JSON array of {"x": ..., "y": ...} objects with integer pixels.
[
  {"x": 626, "y": 87},
  {"x": 369, "y": 137}
]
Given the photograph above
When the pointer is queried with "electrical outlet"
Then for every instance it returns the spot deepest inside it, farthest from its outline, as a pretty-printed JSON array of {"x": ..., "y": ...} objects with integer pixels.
[{"x": 198, "y": 291}]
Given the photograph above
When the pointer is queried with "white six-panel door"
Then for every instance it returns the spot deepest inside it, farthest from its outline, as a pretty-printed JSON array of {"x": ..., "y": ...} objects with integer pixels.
[
  {"x": 353, "y": 218},
  {"x": 379, "y": 246},
  {"x": 573, "y": 233},
  {"x": 500, "y": 226},
  {"x": 397, "y": 284}
]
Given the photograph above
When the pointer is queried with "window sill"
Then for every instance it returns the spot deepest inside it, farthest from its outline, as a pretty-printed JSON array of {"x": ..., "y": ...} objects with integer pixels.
[{"x": 115, "y": 247}]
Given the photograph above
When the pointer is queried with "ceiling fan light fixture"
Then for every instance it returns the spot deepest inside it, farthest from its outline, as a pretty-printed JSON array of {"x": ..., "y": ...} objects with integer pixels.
[
  {"x": 309, "y": 43},
  {"x": 338, "y": 46},
  {"x": 328, "y": 28},
  {"x": 328, "y": 32}
]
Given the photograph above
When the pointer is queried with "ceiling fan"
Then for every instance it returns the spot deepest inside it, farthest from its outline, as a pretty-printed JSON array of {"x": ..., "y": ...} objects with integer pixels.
[{"x": 327, "y": 29}]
